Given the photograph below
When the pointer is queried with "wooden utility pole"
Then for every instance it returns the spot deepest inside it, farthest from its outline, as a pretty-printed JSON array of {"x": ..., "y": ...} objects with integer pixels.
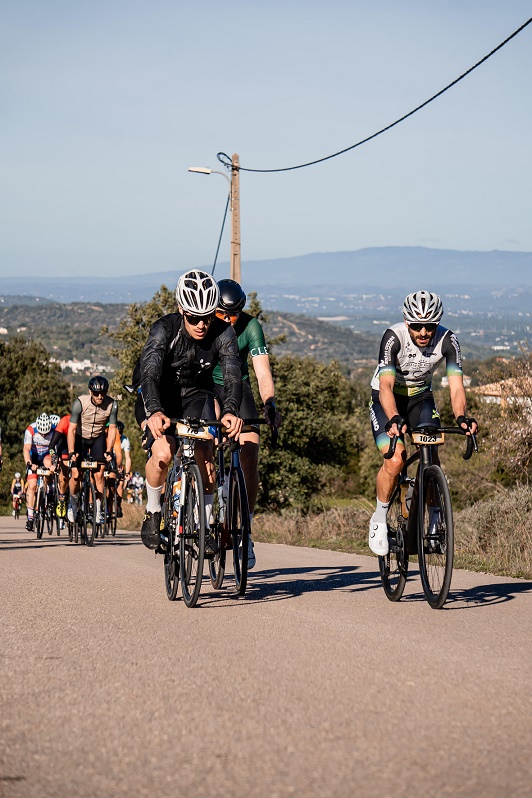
[{"x": 234, "y": 267}]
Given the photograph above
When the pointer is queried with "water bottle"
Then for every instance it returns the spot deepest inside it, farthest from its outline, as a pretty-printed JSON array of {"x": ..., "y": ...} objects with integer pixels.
[
  {"x": 407, "y": 488},
  {"x": 222, "y": 500},
  {"x": 176, "y": 496}
]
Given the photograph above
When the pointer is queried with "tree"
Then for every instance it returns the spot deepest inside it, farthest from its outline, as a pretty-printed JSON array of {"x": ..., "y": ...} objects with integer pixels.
[
  {"x": 129, "y": 338},
  {"x": 317, "y": 439},
  {"x": 30, "y": 384}
]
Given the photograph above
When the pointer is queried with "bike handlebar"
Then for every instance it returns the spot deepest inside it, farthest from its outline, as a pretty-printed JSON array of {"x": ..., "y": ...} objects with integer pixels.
[{"x": 471, "y": 440}]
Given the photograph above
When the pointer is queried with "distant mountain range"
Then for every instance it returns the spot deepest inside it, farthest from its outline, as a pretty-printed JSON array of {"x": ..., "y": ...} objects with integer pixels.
[{"x": 378, "y": 268}]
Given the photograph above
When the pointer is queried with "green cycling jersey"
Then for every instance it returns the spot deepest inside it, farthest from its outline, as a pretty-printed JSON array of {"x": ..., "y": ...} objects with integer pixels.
[{"x": 250, "y": 337}]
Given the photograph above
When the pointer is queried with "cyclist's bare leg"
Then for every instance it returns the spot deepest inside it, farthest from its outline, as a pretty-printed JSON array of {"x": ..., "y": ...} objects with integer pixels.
[
  {"x": 389, "y": 473},
  {"x": 204, "y": 455},
  {"x": 62, "y": 477},
  {"x": 249, "y": 460},
  {"x": 162, "y": 451},
  {"x": 31, "y": 491}
]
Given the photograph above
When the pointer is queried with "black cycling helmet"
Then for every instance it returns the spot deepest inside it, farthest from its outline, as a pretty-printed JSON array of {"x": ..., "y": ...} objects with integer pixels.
[
  {"x": 98, "y": 384},
  {"x": 120, "y": 426},
  {"x": 232, "y": 297}
]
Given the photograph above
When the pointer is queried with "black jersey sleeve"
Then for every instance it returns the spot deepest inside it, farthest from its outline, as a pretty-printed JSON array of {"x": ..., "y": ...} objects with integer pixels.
[
  {"x": 151, "y": 364},
  {"x": 232, "y": 375},
  {"x": 451, "y": 351},
  {"x": 390, "y": 348}
]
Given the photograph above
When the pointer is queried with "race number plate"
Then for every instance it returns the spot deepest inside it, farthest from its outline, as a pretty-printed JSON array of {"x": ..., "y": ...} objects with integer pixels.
[
  {"x": 184, "y": 431},
  {"x": 423, "y": 438},
  {"x": 89, "y": 464}
]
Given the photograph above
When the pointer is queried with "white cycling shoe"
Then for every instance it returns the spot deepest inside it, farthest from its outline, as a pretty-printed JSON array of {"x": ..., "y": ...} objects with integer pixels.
[
  {"x": 252, "y": 560},
  {"x": 378, "y": 537}
]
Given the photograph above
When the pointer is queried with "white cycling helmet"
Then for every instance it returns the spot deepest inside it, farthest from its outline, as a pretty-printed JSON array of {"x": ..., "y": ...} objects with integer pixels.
[
  {"x": 43, "y": 424},
  {"x": 422, "y": 306},
  {"x": 17, "y": 474},
  {"x": 197, "y": 292},
  {"x": 54, "y": 418}
]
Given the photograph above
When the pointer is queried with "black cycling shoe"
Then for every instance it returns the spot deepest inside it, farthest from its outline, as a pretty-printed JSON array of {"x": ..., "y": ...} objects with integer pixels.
[
  {"x": 150, "y": 530},
  {"x": 211, "y": 546},
  {"x": 29, "y": 524}
]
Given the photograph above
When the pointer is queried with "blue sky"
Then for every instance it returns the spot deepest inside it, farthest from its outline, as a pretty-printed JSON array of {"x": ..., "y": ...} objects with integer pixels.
[{"x": 106, "y": 104}]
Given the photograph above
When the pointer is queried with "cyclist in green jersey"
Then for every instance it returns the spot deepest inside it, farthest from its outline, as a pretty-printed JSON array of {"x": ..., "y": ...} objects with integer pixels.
[{"x": 251, "y": 342}]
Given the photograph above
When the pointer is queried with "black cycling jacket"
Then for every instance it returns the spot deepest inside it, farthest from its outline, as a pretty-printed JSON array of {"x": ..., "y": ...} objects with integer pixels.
[{"x": 172, "y": 362}]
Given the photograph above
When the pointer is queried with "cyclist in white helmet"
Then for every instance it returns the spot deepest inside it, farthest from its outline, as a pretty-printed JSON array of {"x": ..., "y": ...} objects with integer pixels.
[
  {"x": 37, "y": 439},
  {"x": 402, "y": 397},
  {"x": 176, "y": 381}
]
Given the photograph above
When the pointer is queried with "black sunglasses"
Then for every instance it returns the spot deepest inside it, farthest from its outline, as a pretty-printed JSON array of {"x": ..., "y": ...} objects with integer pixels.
[
  {"x": 98, "y": 393},
  {"x": 195, "y": 320},
  {"x": 429, "y": 327}
]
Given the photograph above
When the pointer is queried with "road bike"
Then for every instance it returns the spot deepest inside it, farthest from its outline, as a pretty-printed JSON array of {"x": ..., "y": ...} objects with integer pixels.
[
  {"x": 420, "y": 519},
  {"x": 109, "y": 501},
  {"x": 44, "y": 509},
  {"x": 183, "y": 514},
  {"x": 17, "y": 501},
  {"x": 86, "y": 521},
  {"x": 231, "y": 527}
]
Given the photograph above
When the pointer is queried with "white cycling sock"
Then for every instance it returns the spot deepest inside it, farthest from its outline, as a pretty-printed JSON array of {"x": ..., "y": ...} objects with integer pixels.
[
  {"x": 74, "y": 502},
  {"x": 153, "y": 504},
  {"x": 379, "y": 516},
  {"x": 208, "y": 508},
  {"x": 30, "y": 513},
  {"x": 98, "y": 506}
]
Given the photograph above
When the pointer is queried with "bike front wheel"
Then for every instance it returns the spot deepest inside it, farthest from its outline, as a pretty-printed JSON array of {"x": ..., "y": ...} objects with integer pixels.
[
  {"x": 394, "y": 566},
  {"x": 238, "y": 518},
  {"x": 192, "y": 538},
  {"x": 38, "y": 514},
  {"x": 89, "y": 511},
  {"x": 435, "y": 537}
]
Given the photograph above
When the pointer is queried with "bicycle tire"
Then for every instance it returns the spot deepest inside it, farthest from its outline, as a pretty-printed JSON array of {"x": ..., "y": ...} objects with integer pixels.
[
  {"x": 113, "y": 515},
  {"x": 49, "y": 510},
  {"x": 70, "y": 531},
  {"x": 436, "y": 544},
  {"x": 217, "y": 563},
  {"x": 171, "y": 557},
  {"x": 394, "y": 566},
  {"x": 192, "y": 537},
  {"x": 38, "y": 515},
  {"x": 89, "y": 510},
  {"x": 238, "y": 513}
]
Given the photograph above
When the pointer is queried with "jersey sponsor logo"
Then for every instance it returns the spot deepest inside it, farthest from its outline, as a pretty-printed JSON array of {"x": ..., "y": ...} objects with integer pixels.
[
  {"x": 387, "y": 350},
  {"x": 456, "y": 345},
  {"x": 258, "y": 350}
]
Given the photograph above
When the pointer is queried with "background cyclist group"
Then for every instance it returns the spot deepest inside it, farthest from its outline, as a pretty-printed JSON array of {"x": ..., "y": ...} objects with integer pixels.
[{"x": 195, "y": 364}]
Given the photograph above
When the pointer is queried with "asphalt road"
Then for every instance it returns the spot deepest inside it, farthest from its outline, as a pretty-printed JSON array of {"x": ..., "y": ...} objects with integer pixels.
[{"x": 312, "y": 685}]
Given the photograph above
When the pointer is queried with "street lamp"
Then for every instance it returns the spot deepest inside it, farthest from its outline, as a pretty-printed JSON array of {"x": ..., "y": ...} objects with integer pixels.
[{"x": 234, "y": 196}]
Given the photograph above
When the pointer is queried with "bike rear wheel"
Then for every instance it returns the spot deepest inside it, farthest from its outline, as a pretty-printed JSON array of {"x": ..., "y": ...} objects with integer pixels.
[
  {"x": 89, "y": 513},
  {"x": 192, "y": 538},
  {"x": 171, "y": 556},
  {"x": 238, "y": 519},
  {"x": 394, "y": 566},
  {"x": 435, "y": 537}
]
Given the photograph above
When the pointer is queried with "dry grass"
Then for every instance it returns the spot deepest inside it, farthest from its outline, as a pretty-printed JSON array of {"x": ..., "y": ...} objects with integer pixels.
[
  {"x": 341, "y": 529},
  {"x": 496, "y": 535},
  {"x": 133, "y": 515},
  {"x": 493, "y": 536}
]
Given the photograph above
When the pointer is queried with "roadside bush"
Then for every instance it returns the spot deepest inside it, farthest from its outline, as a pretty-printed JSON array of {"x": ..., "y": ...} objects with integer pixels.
[{"x": 495, "y": 535}]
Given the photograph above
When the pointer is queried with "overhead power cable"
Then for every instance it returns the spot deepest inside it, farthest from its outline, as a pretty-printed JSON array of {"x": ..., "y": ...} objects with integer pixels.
[
  {"x": 226, "y": 160},
  {"x": 221, "y": 234}
]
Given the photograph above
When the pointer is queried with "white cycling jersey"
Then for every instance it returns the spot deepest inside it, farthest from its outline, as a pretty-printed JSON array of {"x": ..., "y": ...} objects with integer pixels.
[{"x": 413, "y": 366}]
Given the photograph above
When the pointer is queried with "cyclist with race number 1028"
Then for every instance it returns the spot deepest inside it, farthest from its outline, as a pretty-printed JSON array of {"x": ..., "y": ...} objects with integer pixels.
[{"x": 402, "y": 395}]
